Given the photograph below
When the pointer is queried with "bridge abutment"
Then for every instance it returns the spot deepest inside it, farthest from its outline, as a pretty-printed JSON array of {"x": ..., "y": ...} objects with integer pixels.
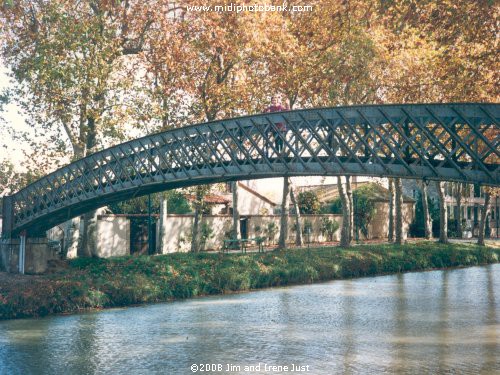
[{"x": 37, "y": 253}]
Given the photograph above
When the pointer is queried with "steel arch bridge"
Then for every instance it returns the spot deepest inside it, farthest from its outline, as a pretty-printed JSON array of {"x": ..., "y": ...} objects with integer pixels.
[{"x": 454, "y": 142}]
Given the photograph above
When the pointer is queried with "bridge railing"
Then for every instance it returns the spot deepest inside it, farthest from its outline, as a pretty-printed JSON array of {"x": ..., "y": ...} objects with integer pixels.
[{"x": 435, "y": 141}]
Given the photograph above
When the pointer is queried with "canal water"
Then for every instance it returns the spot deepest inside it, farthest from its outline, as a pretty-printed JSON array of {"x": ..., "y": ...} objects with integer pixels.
[{"x": 429, "y": 322}]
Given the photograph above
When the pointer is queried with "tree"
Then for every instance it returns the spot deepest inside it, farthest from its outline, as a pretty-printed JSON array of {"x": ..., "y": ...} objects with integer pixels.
[
  {"x": 220, "y": 48},
  {"x": 443, "y": 214},
  {"x": 458, "y": 218},
  {"x": 345, "y": 238},
  {"x": 12, "y": 180},
  {"x": 351, "y": 206},
  {"x": 392, "y": 204},
  {"x": 284, "y": 215},
  {"x": 329, "y": 227},
  {"x": 67, "y": 59},
  {"x": 484, "y": 214},
  {"x": 439, "y": 51},
  {"x": 236, "y": 214},
  {"x": 199, "y": 204},
  {"x": 308, "y": 202},
  {"x": 425, "y": 209},
  {"x": 399, "y": 211},
  {"x": 298, "y": 226},
  {"x": 176, "y": 200},
  {"x": 364, "y": 208}
]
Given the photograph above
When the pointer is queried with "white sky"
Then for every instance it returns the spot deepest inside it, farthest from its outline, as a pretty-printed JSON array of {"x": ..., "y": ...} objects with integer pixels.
[{"x": 10, "y": 149}]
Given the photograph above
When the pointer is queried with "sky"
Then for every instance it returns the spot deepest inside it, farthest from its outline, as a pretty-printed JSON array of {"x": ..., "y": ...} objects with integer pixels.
[{"x": 13, "y": 119}]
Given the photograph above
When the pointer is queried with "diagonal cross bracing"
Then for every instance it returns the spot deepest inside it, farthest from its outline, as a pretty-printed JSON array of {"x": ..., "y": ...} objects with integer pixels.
[{"x": 454, "y": 142}]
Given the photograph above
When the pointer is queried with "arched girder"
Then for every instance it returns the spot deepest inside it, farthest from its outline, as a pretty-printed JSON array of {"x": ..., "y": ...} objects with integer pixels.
[{"x": 454, "y": 142}]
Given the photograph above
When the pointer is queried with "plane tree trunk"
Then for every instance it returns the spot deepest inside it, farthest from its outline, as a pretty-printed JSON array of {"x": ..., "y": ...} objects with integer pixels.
[
  {"x": 399, "y": 211},
  {"x": 351, "y": 207},
  {"x": 284, "y": 214},
  {"x": 427, "y": 216},
  {"x": 298, "y": 225},
  {"x": 484, "y": 215},
  {"x": 345, "y": 238},
  {"x": 236, "y": 213},
  {"x": 443, "y": 215},
  {"x": 198, "y": 216},
  {"x": 458, "y": 198},
  {"x": 392, "y": 203}
]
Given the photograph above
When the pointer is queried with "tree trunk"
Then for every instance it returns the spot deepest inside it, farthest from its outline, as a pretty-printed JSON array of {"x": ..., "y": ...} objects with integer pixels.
[
  {"x": 284, "y": 214},
  {"x": 345, "y": 230},
  {"x": 198, "y": 216},
  {"x": 163, "y": 225},
  {"x": 484, "y": 215},
  {"x": 298, "y": 226},
  {"x": 443, "y": 214},
  {"x": 351, "y": 207},
  {"x": 392, "y": 203},
  {"x": 195, "y": 240},
  {"x": 427, "y": 216},
  {"x": 87, "y": 246},
  {"x": 236, "y": 213},
  {"x": 399, "y": 211},
  {"x": 71, "y": 236},
  {"x": 458, "y": 198}
]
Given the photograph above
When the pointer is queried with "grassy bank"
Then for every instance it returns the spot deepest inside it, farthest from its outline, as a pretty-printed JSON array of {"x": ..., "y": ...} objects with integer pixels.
[{"x": 100, "y": 283}]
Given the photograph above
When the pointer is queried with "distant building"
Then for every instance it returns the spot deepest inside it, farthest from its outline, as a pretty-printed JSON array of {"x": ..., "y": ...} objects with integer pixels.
[
  {"x": 250, "y": 201},
  {"x": 472, "y": 204},
  {"x": 379, "y": 227}
]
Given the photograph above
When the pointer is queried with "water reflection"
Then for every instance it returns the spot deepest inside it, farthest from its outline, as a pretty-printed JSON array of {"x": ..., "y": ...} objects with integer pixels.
[{"x": 430, "y": 322}]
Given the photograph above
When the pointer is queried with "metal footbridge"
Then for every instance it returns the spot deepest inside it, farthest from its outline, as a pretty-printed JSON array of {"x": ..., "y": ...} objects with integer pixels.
[{"x": 453, "y": 142}]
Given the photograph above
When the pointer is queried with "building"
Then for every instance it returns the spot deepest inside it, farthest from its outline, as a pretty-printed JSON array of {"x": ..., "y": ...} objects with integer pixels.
[
  {"x": 379, "y": 226},
  {"x": 472, "y": 203}
]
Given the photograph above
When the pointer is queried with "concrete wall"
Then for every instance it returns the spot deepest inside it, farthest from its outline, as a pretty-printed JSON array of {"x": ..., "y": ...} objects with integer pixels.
[
  {"x": 113, "y": 236},
  {"x": 36, "y": 257},
  {"x": 178, "y": 229},
  {"x": 114, "y": 232},
  {"x": 379, "y": 227}
]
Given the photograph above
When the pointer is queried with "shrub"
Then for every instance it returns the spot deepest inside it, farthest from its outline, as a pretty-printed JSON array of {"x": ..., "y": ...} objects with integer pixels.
[
  {"x": 329, "y": 227},
  {"x": 308, "y": 202}
]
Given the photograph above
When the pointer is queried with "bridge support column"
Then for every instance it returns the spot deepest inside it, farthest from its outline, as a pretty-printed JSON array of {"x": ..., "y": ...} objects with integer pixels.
[{"x": 36, "y": 255}]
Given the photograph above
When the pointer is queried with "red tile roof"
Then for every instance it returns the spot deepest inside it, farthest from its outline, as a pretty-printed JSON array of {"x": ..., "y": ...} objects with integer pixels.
[{"x": 210, "y": 198}]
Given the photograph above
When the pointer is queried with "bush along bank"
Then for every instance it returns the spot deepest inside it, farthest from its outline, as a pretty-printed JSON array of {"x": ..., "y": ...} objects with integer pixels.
[{"x": 101, "y": 283}]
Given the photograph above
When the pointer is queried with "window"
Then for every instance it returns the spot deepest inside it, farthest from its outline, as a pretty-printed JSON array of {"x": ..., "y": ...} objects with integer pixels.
[
  {"x": 477, "y": 190},
  {"x": 469, "y": 212}
]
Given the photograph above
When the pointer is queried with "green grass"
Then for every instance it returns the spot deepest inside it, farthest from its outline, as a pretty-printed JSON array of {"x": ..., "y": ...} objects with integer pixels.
[{"x": 100, "y": 283}]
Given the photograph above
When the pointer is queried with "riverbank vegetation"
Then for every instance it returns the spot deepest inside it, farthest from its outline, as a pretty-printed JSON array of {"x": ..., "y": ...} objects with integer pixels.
[{"x": 99, "y": 283}]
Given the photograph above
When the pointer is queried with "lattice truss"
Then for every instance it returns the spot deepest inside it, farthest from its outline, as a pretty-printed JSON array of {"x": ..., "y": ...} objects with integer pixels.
[{"x": 458, "y": 142}]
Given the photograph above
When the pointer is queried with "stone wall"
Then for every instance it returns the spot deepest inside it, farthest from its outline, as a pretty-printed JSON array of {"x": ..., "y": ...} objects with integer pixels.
[
  {"x": 178, "y": 229},
  {"x": 113, "y": 236},
  {"x": 379, "y": 227},
  {"x": 36, "y": 257}
]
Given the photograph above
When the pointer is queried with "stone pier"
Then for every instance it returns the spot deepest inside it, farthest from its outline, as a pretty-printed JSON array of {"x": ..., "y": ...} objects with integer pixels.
[{"x": 37, "y": 255}]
